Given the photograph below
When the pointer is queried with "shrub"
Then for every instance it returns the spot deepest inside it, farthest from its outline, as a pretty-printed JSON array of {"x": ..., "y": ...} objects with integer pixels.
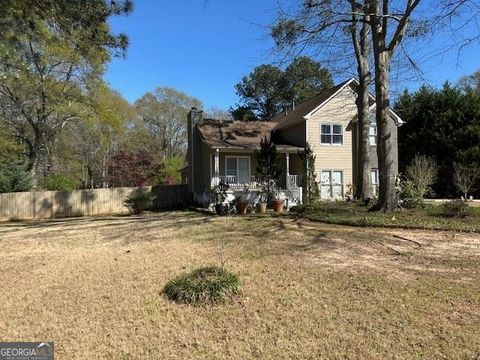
[
  {"x": 298, "y": 209},
  {"x": 139, "y": 201},
  {"x": 203, "y": 285},
  {"x": 421, "y": 174},
  {"x": 14, "y": 178},
  {"x": 170, "y": 172},
  {"x": 60, "y": 182},
  {"x": 410, "y": 195},
  {"x": 456, "y": 208}
]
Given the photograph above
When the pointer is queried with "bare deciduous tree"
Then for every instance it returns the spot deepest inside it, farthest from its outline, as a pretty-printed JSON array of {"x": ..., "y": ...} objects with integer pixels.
[
  {"x": 422, "y": 172},
  {"x": 465, "y": 178},
  {"x": 164, "y": 112},
  {"x": 336, "y": 28}
]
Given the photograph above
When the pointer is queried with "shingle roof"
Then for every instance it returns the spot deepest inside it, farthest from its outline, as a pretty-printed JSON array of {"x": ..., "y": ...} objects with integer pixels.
[
  {"x": 239, "y": 135},
  {"x": 242, "y": 135}
]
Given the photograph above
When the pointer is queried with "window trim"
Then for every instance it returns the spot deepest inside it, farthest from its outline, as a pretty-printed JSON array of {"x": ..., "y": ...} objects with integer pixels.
[
  {"x": 375, "y": 186},
  {"x": 331, "y": 171},
  {"x": 376, "y": 175},
  {"x": 239, "y": 157},
  {"x": 331, "y": 134},
  {"x": 372, "y": 124},
  {"x": 374, "y": 136}
]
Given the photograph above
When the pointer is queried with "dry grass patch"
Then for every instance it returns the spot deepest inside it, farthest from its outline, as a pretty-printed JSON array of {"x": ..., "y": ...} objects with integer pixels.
[{"x": 310, "y": 290}]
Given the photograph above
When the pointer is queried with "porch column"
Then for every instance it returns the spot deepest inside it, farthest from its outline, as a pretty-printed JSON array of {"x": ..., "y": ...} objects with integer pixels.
[
  {"x": 287, "y": 158},
  {"x": 217, "y": 167}
]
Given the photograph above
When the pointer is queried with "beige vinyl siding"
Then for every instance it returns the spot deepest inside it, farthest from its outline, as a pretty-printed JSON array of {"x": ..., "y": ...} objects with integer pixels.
[{"x": 338, "y": 110}]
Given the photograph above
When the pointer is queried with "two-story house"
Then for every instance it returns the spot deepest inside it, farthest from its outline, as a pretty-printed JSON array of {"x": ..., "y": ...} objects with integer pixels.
[{"x": 223, "y": 150}]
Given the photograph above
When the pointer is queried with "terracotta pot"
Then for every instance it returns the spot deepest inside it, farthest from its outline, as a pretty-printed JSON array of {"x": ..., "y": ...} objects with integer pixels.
[
  {"x": 278, "y": 205},
  {"x": 262, "y": 207},
  {"x": 242, "y": 207}
]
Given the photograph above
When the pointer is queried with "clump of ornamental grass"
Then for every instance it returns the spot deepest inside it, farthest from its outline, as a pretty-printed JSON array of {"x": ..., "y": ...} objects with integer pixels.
[{"x": 203, "y": 286}]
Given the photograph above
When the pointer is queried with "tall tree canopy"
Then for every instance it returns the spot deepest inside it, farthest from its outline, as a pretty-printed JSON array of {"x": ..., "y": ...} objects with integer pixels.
[
  {"x": 52, "y": 54},
  {"x": 164, "y": 114},
  {"x": 84, "y": 148},
  {"x": 267, "y": 89},
  {"x": 443, "y": 124}
]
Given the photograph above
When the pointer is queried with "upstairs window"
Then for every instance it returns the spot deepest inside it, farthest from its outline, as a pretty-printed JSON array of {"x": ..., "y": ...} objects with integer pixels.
[
  {"x": 372, "y": 135},
  {"x": 331, "y": 134}
]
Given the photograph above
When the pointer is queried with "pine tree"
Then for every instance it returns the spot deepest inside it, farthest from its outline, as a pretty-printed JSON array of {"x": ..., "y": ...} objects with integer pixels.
[{"x": 268, "y": 169}]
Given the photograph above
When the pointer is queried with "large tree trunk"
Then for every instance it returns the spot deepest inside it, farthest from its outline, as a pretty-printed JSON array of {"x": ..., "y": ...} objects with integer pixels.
[
  {"x": 364, "y": 178},
  {"x": 34, "y": 158},
  {"x": 361, "y": 44},
  {"x": 388, "y": 199}
]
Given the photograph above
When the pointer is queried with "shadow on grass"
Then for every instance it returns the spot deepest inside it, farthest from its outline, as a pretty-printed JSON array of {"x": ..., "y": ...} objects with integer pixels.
[{"x": 161, "y": 219}]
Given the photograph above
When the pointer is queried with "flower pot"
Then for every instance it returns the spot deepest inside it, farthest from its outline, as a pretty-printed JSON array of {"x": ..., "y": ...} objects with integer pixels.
[
  {"x": 242, "y": 207},
  {"x": 278, "y": 205},
  {"x": 262, "y": 207},
  {"x": 221, "y": 209}
]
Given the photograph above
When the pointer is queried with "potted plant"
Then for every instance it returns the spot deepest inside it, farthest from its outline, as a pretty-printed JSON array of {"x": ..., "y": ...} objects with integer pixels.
[
  {"x": 278, "y": 200},
  {"x": 261, "y": 207},
  {"x": 219, "y": 195},
  {"x": 262, "y": 200},
  {"x": 242, "y": 201}
]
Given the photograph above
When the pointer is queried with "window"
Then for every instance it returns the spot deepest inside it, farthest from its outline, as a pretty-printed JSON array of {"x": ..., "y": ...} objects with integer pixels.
[
  {"x": 237, "y": 169},
  {"x": 331, "y": 134},
  {"x": 332, "y": 184},
  {"x": 372, "y": 135},
  {"x": 374, "y": 173}
]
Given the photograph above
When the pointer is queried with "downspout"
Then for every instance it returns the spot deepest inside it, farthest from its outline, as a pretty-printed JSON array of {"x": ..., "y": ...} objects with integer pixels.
[{"x": 306, "y": 131}]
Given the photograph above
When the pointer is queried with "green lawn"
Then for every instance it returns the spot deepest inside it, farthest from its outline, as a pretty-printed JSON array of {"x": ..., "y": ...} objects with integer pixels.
[{"x": 349, "y": 213}]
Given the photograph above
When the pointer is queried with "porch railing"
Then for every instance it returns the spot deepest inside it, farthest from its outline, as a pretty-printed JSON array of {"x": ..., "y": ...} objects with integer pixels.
[
  {"x": 292, "y": 181},
  {"x": 237, "y": 183}
]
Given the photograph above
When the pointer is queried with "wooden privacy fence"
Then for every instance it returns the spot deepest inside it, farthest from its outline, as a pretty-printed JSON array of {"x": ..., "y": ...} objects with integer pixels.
[{"x": 58, "y": 204}]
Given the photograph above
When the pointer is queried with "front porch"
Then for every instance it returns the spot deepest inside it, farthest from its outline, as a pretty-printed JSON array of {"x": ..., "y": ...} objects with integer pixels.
[{"x": 238, "y": 170}]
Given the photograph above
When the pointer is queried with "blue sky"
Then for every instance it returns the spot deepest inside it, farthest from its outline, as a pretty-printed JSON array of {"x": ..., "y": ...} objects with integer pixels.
[{"x": 204, "y": 49}]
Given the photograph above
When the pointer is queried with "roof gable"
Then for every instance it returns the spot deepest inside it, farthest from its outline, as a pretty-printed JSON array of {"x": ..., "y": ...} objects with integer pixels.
[
  {"x": 306, "y": 109},
  {"x": 302, "y": 111}
]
